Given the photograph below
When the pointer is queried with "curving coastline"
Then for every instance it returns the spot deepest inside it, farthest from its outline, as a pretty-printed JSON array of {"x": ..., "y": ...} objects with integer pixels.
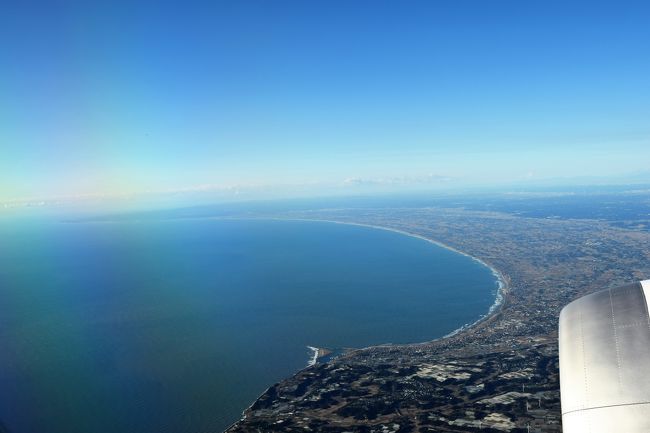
[
  {"x": 492, "y": 311},
  {"x": 501, "y": 281}
]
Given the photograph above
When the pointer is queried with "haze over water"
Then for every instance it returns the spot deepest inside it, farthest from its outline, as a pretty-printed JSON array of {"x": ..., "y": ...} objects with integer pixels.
[{"x": 177, "y": 325}]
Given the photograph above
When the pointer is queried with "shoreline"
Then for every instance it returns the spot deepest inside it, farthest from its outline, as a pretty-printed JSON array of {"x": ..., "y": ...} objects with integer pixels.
[
  {"x": 502, "y": 285},
  {"x": 318, "y": 352}
]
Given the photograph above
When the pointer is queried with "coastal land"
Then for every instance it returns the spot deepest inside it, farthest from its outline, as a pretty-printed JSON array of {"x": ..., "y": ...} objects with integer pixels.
[{"x": 499, "y": 374}]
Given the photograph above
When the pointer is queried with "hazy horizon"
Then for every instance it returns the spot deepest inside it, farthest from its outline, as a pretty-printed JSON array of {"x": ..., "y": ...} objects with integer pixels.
[{"x": 262, "y": 99}]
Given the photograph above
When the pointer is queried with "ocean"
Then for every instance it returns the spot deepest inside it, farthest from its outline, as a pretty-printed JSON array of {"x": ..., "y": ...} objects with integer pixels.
[{"x": 178, "y": 325}]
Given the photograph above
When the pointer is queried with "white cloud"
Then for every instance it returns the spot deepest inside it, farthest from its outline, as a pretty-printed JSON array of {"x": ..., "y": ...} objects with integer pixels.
[{"x": 399, "y": 180}]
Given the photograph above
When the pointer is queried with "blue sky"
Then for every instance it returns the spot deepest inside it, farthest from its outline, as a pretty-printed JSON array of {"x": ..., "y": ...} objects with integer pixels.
[{"x": 124, "y": 97}]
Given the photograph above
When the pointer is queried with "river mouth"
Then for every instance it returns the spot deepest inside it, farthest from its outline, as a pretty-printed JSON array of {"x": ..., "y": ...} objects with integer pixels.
[{"x": 178, "y": 325}]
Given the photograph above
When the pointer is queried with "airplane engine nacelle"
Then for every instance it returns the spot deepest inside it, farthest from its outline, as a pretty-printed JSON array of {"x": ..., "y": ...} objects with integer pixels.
[{"x": 604, "y": 343}]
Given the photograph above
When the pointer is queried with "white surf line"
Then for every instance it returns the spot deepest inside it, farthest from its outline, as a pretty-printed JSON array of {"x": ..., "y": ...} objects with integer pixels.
[
  {"x": 314, "y": 358},
  {"x": 498, "y": 301}
]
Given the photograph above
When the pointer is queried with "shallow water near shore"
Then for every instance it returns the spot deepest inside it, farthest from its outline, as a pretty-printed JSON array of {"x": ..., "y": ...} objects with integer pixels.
[{"x": 178, "y": 325}]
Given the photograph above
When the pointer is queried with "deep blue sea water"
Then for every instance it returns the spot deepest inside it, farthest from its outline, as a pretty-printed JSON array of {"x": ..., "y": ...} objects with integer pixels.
[{"x": 177, "y": 325}]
